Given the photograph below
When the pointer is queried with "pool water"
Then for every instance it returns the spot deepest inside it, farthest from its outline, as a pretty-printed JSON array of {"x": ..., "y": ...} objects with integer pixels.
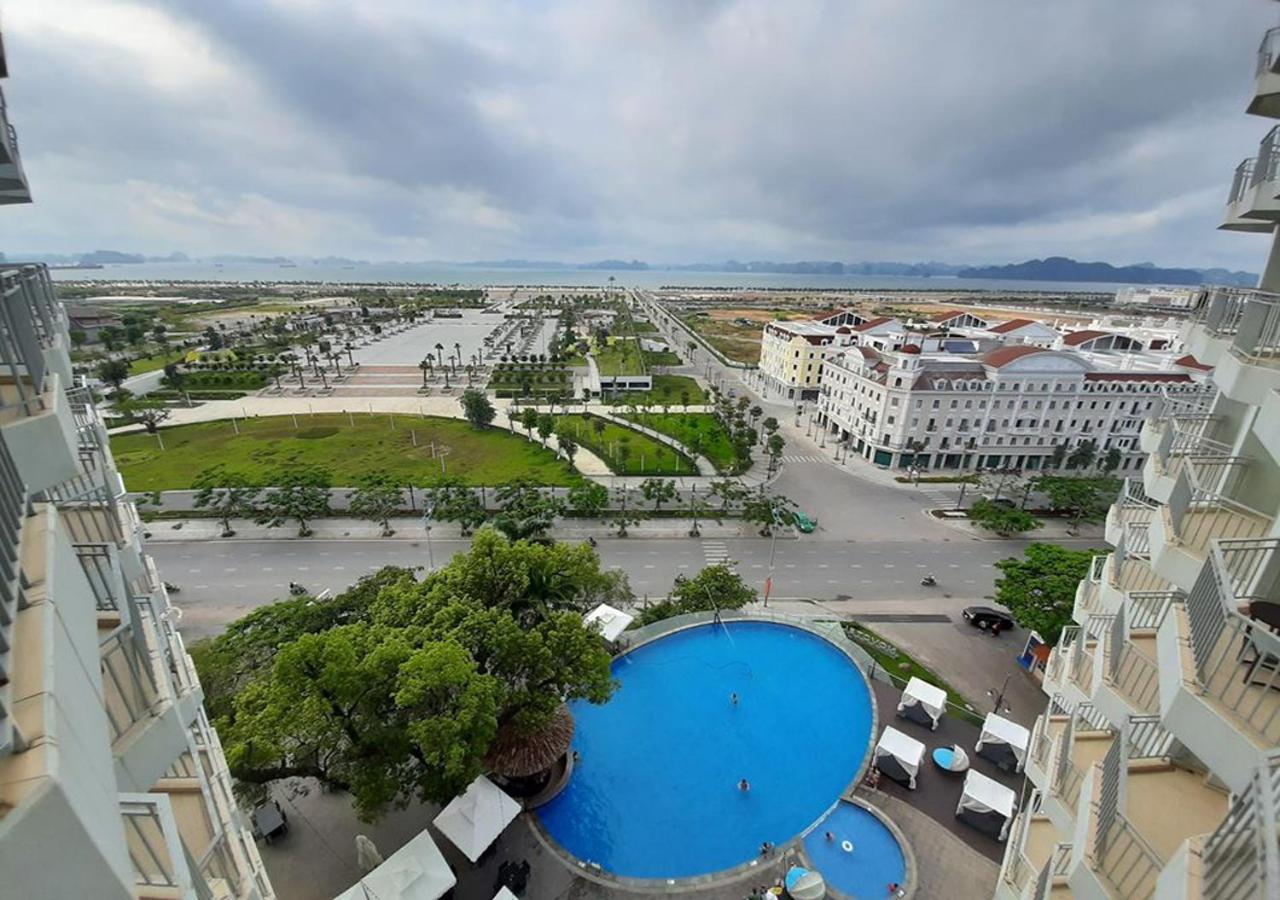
[
  {"x": 655, "y": 792},
  {"x": 875, "y": 862}
]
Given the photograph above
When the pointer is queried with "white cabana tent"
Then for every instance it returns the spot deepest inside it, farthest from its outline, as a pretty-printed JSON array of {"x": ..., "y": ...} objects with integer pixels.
[
  {"x": 504, "y": 893},
  {"x": 986, "y": 804},
  {"x": 474, "y": 819},
  {"x": 922, "y": 702},
  {"x": 1003, "y": 742},
  {"x": 898, "y": 756},
  {"x": 417, "y": 871},
  {"x": 612, "y": 621}
]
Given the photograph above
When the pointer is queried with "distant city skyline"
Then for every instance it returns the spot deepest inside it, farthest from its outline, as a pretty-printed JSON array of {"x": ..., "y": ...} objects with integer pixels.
[{"x": 667, "y": 132}]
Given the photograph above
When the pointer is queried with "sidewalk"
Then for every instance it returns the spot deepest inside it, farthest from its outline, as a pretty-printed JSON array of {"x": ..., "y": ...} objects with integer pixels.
[{"x": 409, "y": 528}]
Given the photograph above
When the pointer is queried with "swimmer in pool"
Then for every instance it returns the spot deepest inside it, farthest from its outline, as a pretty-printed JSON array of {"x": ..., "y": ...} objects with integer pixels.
[{"x": 744, "y": 785}]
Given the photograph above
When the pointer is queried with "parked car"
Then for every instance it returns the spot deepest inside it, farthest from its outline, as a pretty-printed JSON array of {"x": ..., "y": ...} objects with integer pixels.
[
  {"x": 804, "y": 523},
  {"x": 987, "y": 617}
]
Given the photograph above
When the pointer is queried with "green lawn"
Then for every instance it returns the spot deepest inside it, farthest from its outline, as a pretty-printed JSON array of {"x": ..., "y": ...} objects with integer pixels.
[
  {"x": 666, "y": 389},
  {"x": 645, "y": 456},
  {"x": 713, "y": 440},
  {"x": 619, "y": 357},
  {"x": 151, "y": 363},
  {"x": 661, "y": 358},
  {"x": 491, "y": 456}
]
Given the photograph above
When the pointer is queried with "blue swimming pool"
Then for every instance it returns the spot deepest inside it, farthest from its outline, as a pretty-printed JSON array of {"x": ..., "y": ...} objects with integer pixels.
[
  {"x": 655, "y": 793},
  {"x": 875, "y": 862}
]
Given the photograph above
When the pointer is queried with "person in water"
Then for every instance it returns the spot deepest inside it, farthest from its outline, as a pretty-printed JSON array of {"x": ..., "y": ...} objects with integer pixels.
[
  {"x": 831, "y": 838},
  {"x": 744, "y": 785},
  {"x": 733, "y": 698}
]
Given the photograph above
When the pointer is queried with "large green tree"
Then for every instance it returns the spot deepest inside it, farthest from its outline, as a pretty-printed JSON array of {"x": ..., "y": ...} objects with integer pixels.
[
  {"x": 299, "y": 493},
  {"x": 477, "y": 408},
  {"x": 527, "y": 510},
  {"x": 395, "y": 689},
  {"x": 377, "y": 497},
  {"x": 715, "y": 587},
  {"x": 1083, "y": 499},
  {"x": 228, "y": 495},
  {"x": 450, "y": 499},
  {"x": 1003, "y": 520},
  {"x": 1039, "y": 588}
]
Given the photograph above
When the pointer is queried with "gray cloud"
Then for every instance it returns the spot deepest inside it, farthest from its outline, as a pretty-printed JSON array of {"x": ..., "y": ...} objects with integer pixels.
[{"x": 991, "y": 130}]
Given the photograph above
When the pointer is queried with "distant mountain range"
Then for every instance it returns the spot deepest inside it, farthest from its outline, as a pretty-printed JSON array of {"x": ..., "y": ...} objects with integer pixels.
[
  {"x": 1053, "y": 268},
  {"x": 1060, "y": 268}
]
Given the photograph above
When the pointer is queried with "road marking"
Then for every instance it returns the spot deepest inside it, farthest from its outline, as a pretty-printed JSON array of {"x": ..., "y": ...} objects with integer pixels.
[
  {"x": 888, "y": 565},
  {"x": 823, "y": 566},
  {"x": 268, "y": 569},
  {"x": 650, "y": 566},
  {"x": 952, "y": 566},
  {"x": 194, "y": 571},
  {"x": 339, "y": 568}
]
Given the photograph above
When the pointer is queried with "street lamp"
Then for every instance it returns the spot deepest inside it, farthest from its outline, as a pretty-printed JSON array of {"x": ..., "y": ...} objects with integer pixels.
[
  {"x": 999, "y": 696},
  {"x": 426, "y": 524}
]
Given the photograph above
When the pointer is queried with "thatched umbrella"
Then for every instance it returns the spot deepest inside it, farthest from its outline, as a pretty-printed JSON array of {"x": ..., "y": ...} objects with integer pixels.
[{"x": 514, "y": 755}]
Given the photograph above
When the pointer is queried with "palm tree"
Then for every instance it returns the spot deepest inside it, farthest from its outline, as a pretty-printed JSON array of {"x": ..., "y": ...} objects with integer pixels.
[
  {"x": 425, "y": 366},
  {"x": 440, "y": 353}
]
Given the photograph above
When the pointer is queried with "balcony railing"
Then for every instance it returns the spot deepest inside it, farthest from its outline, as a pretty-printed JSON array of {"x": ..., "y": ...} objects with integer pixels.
[
  {"x": 1018, "y": 870},
  {"x": 103, "y": 574},
  {"x": 30, "y": 319},
  {"x": 1252, "y": 317},
  {"x": 1041, "y": 739},
  {"x": 1053, "y": 670},
  {"x": 1268, "y": 51},
  {"x": 13, "y": 509},
  {"x": 154, "y": 847},
  {"x": 1241, "y": 180},
  {"x": 1199, "y": 508},
  {"x": 1086, "y": 649},
  {"x": 1242, "y": 857},
  {"x": 1067, "y": 776},
  {"x": 1237, "y": 662},
  {"x": 1265, "y": 169},
  {"x": 1120, "y": 854},
  {"x": 1131, "y": 671},
  {"x": 1223, "y": 307},
  {"x": 128, "y": 681}
]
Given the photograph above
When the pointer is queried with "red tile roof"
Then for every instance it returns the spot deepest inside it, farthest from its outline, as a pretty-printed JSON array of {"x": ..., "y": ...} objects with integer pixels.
[
  {"x": 1190, "y": 362},
  {"x": 1136, "y": 376},
  {"x": 1012, "y": 325},
  {"x": 872, "y": 323},
  {"x": 1080, "y": 337},
  {"x": 1002, "y": 356},
  {"x": 946, "y": 314}
]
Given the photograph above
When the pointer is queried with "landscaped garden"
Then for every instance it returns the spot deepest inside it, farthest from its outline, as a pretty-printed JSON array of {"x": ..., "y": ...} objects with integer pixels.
[
  {"x": 619, "y": 357},
  {"x": 537, "y": 379},
  {"x": 623, "y": 450},
  {"x": 348, "y": 446},
  {"x": 661, "y": 358},
  {"x": 146, "y": 364},
  {"x": 668, "y": 390},
  {"x": 702, "y": 433}
]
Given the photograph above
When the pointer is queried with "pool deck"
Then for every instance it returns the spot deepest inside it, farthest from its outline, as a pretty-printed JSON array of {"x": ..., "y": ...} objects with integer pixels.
[{"x": 937, "y": 792}]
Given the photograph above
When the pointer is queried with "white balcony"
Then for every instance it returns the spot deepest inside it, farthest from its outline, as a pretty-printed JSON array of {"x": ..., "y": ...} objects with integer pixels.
[
  {"x": 1200, "y": 510},
  {"x": 1239, "y": 202},
  {"x": 1130, "y": 683},
  {"x": 1241, "y": 859},
  {"x": 1032, "y": 845},
  {"x": 1084, "y": 741},
  {"x": 1219, "y": 669},
  {"x": 1265, "y": 100}
]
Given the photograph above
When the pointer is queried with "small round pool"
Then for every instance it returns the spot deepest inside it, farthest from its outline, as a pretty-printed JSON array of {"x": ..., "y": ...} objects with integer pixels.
[
  {"x": 875, "y": 861},
  {"x": 656, "y": 792}
]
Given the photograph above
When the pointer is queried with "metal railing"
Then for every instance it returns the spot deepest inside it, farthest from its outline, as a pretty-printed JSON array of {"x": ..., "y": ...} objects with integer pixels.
[
  {"x": 1257, "y": 335},
  {"x": 1121, "y": 854},
  {"x": 1251, "y": 569},
  {"x": 30, "y": 319},
  {"x": 1268, "y": 162},
  {"x": 1147, "y": 738},
  {"x": 1237, "y": 663},
  {"x": 149, "y": 845},
  {"x": 1222, "y": 308},
  {"x": 14, "y": 507},
  {"x": 1130, "y": 671},
  {"x": 1053, "y": 670},
  {"x": 1018, "y": 869},
  {"x": 128, "y": 682},
  {"x": 1086, "y": 647},
  {"x": 103, "y": 575},
  {"x": 1241, "y": 180},
  {"x": 1242, "y": 856},
  {"x": 1197, "y": 513},
  {"x": 1041, "y": 740},
  {"x": 1268, "y": 51}
]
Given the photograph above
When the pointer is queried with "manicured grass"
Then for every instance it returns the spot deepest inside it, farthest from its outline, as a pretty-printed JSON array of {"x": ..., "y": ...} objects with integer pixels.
[
  {"x": 666, "y": 390},
  {"x": 645, "y": 457},
  {"x": 619, "y": 357},
  {"x": 491, "y": 456},
  {"x": 712, "y": 441},
  {"x": 643, "y": 326},
  {"x": 661, "y": 358},
  {"x": 151, "y": 363}
]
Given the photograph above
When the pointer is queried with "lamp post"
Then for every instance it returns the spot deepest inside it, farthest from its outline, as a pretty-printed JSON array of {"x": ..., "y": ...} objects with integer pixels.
[
  {"x": 426, "y": 524},
  {"x": 998, "y": 697}
]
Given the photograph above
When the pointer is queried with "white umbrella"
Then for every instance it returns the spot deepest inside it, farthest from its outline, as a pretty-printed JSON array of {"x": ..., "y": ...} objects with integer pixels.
[
  {"x": 367, "y": 856},
  {"x": 474, "y": 819},
  {"x": 417, "y": 871},
  {"x": 802, "y": 884},
  {"x": 612, "y": 621}
]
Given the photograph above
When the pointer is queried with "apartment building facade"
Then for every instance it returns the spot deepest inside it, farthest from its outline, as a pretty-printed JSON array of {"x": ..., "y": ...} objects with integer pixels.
[
  {"x": 1155, "y": 769},
  {"x": 948, "y": 404},
  {"x": 112, "y": 782},
  {"x": 792, "y": 354}
]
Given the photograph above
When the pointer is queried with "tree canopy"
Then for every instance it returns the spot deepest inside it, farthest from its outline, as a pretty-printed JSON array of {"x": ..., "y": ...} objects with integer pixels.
[
  {"x": 1003, "y": 520},
  {"x": 395, "y": 690},
  {"x": 715, "y": 587},
  {"x": 1039, "y": 588}
]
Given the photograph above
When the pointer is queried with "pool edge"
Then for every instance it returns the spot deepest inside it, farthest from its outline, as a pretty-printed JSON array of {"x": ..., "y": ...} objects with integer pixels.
[
  {"x": 793, "y": 848},
  {"x": 910, "y": 872}
]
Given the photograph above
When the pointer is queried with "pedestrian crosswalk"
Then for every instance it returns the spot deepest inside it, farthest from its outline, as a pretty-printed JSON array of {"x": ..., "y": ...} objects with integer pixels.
[
  {"x": 802, "y": 458},
  {"x": 715, "y": 552}
]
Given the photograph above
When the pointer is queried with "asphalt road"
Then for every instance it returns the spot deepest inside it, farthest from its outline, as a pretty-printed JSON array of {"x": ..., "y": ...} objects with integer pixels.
[{"x": 221, "y": 581}]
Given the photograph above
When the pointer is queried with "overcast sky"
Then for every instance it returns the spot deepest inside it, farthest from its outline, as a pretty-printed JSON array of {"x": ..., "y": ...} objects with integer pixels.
[{"x": 975, "y": 131}]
